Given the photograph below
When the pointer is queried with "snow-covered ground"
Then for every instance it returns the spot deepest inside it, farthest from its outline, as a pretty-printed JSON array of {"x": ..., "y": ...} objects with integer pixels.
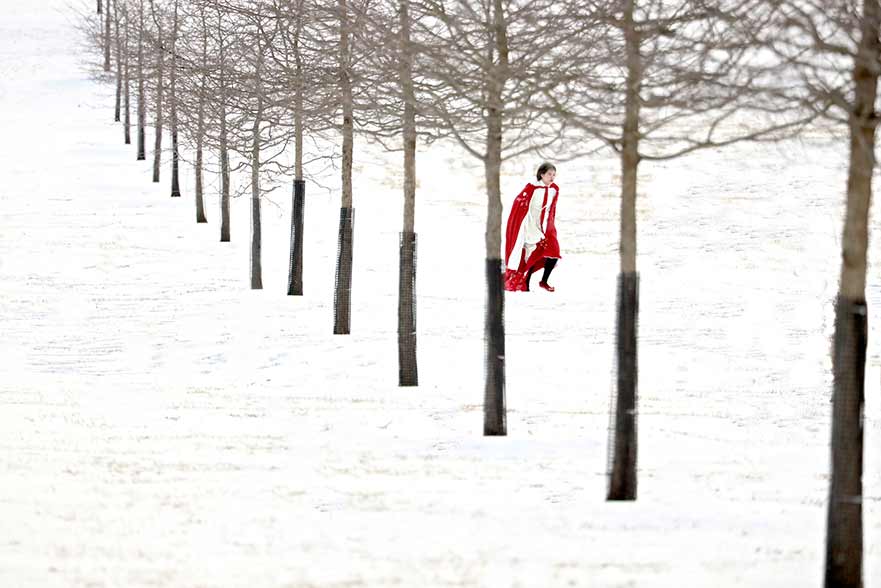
[{"x": 161, "y": 424}]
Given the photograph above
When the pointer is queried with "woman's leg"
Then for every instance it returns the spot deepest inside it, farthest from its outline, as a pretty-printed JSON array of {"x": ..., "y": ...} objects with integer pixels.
[{"x": 550, "y": 262}]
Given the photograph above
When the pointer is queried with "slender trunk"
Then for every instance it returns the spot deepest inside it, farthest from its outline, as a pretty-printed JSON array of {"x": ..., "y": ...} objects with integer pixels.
[
  {"x": 295, "y": 274},
  {"x": 127, "y": 122},
  {"x": 200, "y": 124},
  {"x": 200, "y": 163},
  {"x": 298, "y": 120},
  {"x": 107, "y": 38},
  {"x": 408, "y": 369},
  {"x": 844, "y": 532},
  {"x": 256, "y": 240},
  {"x": 224, "y": 178},
  {"x": 175, "y": 153},
  {"x": 224, "y": 152},
  {"x": 256, "y": 268},
  {"x": 622, "y": 482},
  {"x": 343, "y": 288},
  {"x": 142, "y": 107},
  {"x": 160, "y": 96},
  {"x": 348, "y": 107},
  {"x": 494, "y": 405},
  {"x": 117, "y": 111},
  {"x": 99, "y": 7},
  {"x": 409, "y": 121}
]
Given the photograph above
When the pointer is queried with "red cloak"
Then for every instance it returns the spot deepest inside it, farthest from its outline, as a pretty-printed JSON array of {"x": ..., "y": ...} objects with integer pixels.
[{"x": 515, "y": 280}]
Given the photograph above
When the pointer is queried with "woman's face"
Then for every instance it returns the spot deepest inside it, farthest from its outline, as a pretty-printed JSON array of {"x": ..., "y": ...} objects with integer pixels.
[{"x": 548, "y": 177}]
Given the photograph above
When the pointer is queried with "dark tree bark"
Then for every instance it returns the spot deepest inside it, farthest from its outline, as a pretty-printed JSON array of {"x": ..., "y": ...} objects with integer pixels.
[
  {"x": 127, "y": 122},
  {"x": 256, "y": 227},
  {"x": 160, "y": 94},
  {"x": 844, "y": 535},
  {"x": 200, "y": 122},
  {"x": 408, "y": 372},
  {"x": 295, "y": 273},
  {"x": 142, "y": 106},
  {"x": 343, "y": 289},
  {"x": 117, "y": 111},
  {"x": 175, "y": 153},
  {"x": 99, "y": 7},
  {"x": 622, "y": 485},
  {"x": 224, "y": 150},
  {"x": 495, "y": 409}
]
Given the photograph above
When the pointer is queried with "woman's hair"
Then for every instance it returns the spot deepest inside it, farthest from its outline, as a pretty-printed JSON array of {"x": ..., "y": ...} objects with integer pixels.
[{"x": 543, "y": 169}]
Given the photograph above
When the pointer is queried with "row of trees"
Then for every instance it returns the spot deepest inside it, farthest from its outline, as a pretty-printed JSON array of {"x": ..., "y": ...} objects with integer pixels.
[{"x": 249, "y": 81}]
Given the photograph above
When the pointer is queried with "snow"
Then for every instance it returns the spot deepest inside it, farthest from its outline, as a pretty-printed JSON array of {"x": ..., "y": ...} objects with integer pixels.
[{"x": 161, "y": 424}]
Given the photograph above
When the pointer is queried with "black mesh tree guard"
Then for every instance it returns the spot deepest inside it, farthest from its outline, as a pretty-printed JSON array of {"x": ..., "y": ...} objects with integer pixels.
[
  {"x": 844, "y": 525},
  {"x": 342, "y": 298},
  {"x": 295, "y": 270},
  {"x": 495, "y": 421},
  {"x": 623, "y": 433},
  {"x": 408, "y": 373},
  {"x": 175, "y": 165}
]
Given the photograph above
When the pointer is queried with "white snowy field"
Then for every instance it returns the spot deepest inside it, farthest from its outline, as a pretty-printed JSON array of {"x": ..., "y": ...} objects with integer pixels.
[{"x": 161, "y": 424}]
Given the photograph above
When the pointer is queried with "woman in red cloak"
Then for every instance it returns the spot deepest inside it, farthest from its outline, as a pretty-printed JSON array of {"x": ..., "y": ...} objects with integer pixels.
[{"x": 531, "y": 234}]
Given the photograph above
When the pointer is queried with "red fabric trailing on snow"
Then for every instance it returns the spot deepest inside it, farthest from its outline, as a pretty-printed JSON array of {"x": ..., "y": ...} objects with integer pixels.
[{"x": 515, "y": 281}]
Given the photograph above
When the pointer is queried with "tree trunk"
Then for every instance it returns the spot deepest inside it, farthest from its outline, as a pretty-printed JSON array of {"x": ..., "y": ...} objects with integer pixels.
[
  {"x": 107, "y": 39},
  {"x": 494, "y": 407},
  {"x": 142, "y": 107},
  {"x": 408, "y": 373},
  {"x": 343, "y": 288},
  {"x": 127, "y": 122},
  {"x": 256, "y": 240},
  {"x": 160, "y": 96},
  {"x": 117, "y": 111},
  {"x": 200, "y": 124},
  {"x": 622, "y": 483},
  {"x": 224, "y": 151},
  {"x": 224, "y": 175},
  {"x": 295, "y": 273},
  {"x": 175, "y": 153},
  {"x": 99, "y": 7},
  {"x": 844, "y": 533},
  {"x": 256, "y": 268}
]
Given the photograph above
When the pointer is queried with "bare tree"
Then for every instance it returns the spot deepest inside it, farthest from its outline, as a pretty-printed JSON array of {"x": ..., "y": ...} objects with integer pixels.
[
  {"x": 408, "y": 372},
  {"x": 127, "y": 122},
  {"x": 142, "y": 106},
  {"x": 678, "y": 77},
  {"x": 305, "y": 89},
  {"x": 119, "y": 60},
  {"x": 389, "y": 105},
  {"x": 175, "y": 147},
  {"x": 200, "y": 116},
  {"x": 107, "y": 38},
  {"x": 343, "y": 289},
  {"x": 835, "y": 51},
  {"x": 256, "y": 267},
  {"x": 193, "y": 94},
  {"x": 160, "y": 90},
  {"x": 290, "y": 60},
  {"x": 223, "y": 137},
  {"x": 487, "y": 60}
]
